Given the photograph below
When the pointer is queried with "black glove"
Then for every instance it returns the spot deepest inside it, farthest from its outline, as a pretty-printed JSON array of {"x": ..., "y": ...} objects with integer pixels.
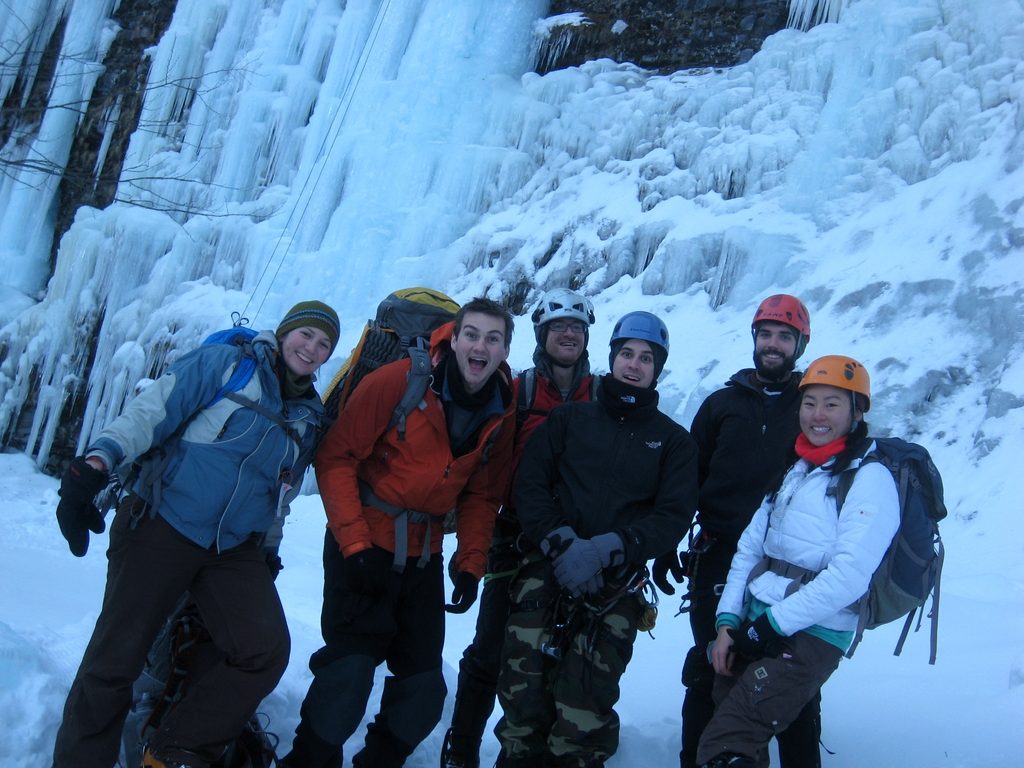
[
  {"x": 755, "y": 639},
  {"x": 663, "y": 566},
  {"x": 273, "y": 560},
  {"x": 464, "y": 594},
  {"x": 76, "y": 511},
  {"x": 369, "y": 570}
]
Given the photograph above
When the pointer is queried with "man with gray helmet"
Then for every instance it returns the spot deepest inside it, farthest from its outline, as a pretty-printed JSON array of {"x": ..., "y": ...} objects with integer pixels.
[
  {"x": 561, "y": 374},
  {"x": 745, "y": 432},
  {"x": 602, "y": 487}
]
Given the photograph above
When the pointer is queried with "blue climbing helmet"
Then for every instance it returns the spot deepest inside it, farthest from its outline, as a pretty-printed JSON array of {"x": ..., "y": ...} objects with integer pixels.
[{"x": 645, "y": 327}]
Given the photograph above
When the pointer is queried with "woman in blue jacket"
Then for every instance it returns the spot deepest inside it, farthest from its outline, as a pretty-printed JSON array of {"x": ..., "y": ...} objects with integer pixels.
[{"x": 204, "y": 516}]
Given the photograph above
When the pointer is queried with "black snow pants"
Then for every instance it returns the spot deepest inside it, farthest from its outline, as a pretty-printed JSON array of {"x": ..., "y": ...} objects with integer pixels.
[
  {"x": 402, "y": 627},
  {"x": 150, "y": 566}
]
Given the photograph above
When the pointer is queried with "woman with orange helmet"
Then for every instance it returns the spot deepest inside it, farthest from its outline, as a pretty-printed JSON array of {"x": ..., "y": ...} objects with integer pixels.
[{"x": 784, "y": 619}]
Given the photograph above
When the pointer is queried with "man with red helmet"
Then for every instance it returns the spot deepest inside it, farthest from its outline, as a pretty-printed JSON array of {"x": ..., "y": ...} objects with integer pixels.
[{"x": 745, "y": 434}]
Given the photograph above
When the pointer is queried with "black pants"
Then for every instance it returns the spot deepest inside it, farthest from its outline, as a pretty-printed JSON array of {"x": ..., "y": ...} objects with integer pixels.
[
  {"x": 402, "y": 627},
  {"x": 150, "y": 567},
  {"x": 478, "y": 671},
  {"x": 798, "y": 744}
]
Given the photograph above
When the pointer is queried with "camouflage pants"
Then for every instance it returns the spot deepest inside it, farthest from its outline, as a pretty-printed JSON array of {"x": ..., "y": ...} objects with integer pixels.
[{"x": 558, "y": 703}]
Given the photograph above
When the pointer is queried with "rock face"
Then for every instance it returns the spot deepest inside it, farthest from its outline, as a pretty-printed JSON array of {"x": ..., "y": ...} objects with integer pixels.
[
  {"x": 112, "y": 115},
  {"x": 662, "y": 35}
]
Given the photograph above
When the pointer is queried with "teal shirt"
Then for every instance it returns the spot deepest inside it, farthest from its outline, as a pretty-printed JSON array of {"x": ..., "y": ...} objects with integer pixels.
[{"x": 840, "y": 640}]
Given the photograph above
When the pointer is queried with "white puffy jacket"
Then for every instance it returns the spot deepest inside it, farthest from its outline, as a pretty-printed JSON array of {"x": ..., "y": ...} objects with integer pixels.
[{"x": 802, "y": 527}]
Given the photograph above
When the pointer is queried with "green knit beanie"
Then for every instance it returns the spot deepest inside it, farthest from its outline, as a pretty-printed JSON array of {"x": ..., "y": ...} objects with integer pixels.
[{"x": 314, "y": 314}]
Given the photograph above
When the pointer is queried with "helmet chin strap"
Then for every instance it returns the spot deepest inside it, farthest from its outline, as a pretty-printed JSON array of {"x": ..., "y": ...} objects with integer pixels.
[{"x": 854, "y": 421}]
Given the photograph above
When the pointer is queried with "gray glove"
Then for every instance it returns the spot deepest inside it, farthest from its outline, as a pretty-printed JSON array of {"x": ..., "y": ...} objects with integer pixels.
[
  {"x": 556, "y": 542},
  {"x": 578, "y": 569},
  {"x": 611, "y": 549}
]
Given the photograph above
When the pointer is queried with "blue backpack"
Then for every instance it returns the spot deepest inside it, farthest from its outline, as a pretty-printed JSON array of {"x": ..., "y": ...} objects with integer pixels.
[
  {"x": 911, "y": 569},
  {"x": 246, "y": 366}
]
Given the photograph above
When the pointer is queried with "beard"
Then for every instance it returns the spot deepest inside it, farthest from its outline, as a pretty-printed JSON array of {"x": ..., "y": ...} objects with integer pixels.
[{"x": 772, "y": 371}]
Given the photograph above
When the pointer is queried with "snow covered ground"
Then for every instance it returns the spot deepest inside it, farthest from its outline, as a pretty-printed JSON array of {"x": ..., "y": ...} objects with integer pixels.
[
  {"x": 878, "y": 710},
  {"x": 874, "y": 167}
]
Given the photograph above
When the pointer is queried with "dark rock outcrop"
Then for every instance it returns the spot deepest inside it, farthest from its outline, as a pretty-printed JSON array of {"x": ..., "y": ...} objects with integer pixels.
[
  {"x": 662, "y": 35},
  {"x": 112, "y": 113}
]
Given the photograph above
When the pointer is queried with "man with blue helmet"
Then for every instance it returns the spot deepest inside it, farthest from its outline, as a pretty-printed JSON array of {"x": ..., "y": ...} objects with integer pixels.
[{"x": 602, "y": 487}]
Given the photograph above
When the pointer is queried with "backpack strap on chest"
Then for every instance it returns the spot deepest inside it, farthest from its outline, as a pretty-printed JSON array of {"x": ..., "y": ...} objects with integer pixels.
[
  {"x": 262, "y": 410},
  {"x": 402, "y": 517}
]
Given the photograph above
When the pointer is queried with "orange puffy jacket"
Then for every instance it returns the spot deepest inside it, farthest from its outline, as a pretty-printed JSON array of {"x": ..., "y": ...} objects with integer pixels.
[{"x": 418, "y": 473}]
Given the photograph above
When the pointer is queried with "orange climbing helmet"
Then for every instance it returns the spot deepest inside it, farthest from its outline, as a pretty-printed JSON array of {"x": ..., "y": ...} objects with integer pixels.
[{"x": 843, "y": 372}]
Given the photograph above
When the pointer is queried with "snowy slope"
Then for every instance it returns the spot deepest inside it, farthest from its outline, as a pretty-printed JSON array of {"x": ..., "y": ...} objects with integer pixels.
[{"x": 872, "y": 166}]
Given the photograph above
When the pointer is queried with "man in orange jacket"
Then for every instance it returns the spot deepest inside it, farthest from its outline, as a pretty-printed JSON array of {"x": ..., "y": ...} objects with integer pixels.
[
  {"x": 561, "y": 374},
  {"x": 386, "y": 493}
]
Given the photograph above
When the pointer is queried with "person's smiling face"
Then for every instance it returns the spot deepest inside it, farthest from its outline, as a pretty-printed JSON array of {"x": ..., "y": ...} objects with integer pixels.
[
  {"x": 826, "y": 413},
  {"x": 566, "y": 341},
  {"x": 480, "y": 347},
  {"x": 634, "y": 364},
  {"x": 305, "y": 349},
  {"x": 774, "y": 350}
]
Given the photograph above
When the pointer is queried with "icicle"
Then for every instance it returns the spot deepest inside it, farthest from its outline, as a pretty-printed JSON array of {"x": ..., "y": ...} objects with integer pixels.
[{"x": 804, "y": 14}]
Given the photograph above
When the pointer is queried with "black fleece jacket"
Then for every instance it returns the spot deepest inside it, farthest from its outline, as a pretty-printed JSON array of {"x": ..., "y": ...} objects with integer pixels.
[
  {"x": 610, "y": 465},
  {"x": 745, "y": 440}
]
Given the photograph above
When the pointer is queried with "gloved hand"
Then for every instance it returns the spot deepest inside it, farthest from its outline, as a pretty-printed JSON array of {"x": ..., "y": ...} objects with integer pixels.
[
  {"x": 755, "y": 640},
  {"x": 368, "y": 571},
  {"x": 464, "y": 594},
  {"x": 556, "y": 542},
  {"x": 611, "y": 549},
  {"x": 76, "y": 511},
  {"x": 274, "y": 564},
  {"x": 578, "y": 568},
  {"x": 663, "y": 566}
]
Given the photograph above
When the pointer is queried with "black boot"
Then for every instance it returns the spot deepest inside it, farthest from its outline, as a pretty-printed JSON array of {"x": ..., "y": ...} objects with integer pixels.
[
  {"x": 474, "y": 703},
  {"x": 452, "y": 759},
  {"x": 310, "y": 751},
  {"x": 382, "y": 749},
  {"x": 730, "y": 760}
]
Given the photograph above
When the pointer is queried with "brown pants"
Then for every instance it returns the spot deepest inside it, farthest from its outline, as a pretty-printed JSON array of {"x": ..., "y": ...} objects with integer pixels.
[
  {"x": 150, "y": 567},
  {"x": 765, "y": 696}
]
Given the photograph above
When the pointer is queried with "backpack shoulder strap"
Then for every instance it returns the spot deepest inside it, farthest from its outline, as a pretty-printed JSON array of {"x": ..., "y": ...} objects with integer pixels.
[
  {"x": 245, "y": 367},
  {"x": 525, "y": 395},
  {"x": 416, "y": 387},
  {"x": 839, "y": 486},
  {"x": 262, "y": 410}
]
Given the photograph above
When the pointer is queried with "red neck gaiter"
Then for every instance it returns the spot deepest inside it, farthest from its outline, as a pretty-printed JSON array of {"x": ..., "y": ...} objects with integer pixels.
[{"x": 818, "y": 454}]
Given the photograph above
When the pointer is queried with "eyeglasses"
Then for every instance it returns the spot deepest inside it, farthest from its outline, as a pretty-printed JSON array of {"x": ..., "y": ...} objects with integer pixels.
[{"x": 561, "y": 326}]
